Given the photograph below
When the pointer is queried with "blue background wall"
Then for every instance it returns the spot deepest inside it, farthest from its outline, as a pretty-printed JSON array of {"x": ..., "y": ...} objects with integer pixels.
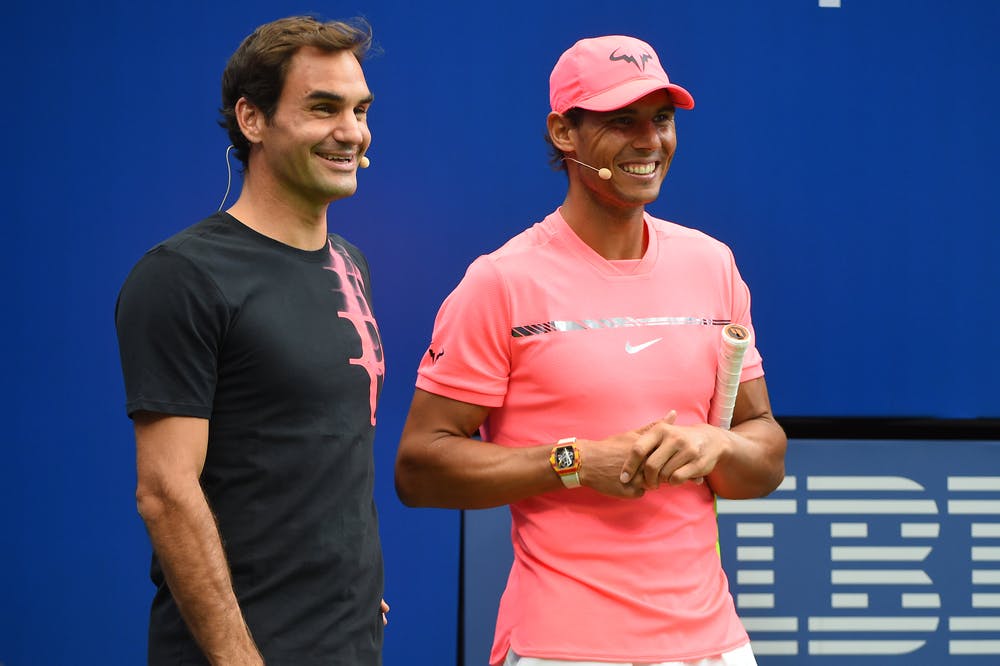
[{"x": 849, "y": 156}]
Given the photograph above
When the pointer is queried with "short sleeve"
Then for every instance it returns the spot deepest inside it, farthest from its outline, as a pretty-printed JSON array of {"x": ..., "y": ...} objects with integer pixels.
[
  {"x": 469, "y": 355},
  {"x": 170, "y": 318}
]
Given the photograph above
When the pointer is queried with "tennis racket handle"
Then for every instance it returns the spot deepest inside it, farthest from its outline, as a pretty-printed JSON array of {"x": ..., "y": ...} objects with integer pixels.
[{"x": 735, "y": 342}]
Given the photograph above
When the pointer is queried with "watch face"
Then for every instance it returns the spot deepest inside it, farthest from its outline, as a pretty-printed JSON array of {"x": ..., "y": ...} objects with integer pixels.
[{"x": 564, "y": 457}]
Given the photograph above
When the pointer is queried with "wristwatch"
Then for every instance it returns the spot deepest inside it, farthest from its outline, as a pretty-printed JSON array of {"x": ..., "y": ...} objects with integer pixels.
[{"x": 565, "y": 460}]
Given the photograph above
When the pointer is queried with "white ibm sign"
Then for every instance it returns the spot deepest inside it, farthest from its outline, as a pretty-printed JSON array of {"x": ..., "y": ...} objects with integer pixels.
[{"x": 832, "y": 568}]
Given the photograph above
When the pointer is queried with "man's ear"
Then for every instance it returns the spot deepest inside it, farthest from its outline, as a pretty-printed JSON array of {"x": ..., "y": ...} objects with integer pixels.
[
  {"x": 250, "y": 119},
  {"x": 559, "y": 132}
]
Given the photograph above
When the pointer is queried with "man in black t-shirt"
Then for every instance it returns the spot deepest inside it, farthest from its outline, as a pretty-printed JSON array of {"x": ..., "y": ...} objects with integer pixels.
[{"x": 253, "y": 366}]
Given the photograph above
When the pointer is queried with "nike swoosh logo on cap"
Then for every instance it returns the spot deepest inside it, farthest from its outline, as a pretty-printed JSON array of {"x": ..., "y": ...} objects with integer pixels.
[{"x": 629, "y": 349}]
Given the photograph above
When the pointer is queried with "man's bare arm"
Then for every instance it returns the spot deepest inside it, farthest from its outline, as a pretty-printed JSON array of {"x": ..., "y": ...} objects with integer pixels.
[
  {"x": 754, "y": 462},
  {"x": 170, "y": 455},
  {"x": 440, "y": 465}
]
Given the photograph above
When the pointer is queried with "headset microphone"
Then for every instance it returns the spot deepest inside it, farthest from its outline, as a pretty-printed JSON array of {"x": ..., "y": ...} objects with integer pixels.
[
  {"x": 603, "y": 173},
  {"x": 364, "y": 162}
]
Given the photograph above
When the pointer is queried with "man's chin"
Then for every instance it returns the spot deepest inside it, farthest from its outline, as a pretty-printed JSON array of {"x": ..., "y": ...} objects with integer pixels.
[
  {"x": 342, "y": 190},
  {"x": 645, "y": 197}
]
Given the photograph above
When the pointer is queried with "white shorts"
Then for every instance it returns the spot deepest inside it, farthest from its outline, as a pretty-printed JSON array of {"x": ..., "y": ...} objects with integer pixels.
[{"x": 742, "y": 656}]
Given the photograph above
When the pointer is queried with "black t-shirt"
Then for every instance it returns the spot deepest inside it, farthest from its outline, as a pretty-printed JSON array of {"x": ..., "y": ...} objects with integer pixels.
[{"x": 278, "y": 348}]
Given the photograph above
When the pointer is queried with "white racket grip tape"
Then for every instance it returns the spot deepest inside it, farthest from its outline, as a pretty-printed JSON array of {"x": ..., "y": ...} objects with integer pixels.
[{"x": 735, "y": 342}]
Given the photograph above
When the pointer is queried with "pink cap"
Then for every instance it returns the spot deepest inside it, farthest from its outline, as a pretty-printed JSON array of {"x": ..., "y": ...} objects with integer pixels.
[{"x": 608, "y": 73}]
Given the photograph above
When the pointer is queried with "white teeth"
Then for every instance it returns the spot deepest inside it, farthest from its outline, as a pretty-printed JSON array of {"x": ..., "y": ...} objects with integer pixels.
[
  {"x": 639, "y": 169},
  {"x": 334, "y": 158}
]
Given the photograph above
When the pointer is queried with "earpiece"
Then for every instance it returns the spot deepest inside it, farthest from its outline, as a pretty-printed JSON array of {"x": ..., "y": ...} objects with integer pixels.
[{"x": 229, "y": 177}]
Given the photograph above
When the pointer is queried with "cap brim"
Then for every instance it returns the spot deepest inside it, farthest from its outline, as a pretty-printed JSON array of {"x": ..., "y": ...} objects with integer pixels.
[{"x": 629, "y": 92}]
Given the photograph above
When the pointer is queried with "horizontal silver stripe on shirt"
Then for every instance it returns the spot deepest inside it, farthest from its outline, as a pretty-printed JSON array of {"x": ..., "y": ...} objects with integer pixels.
[{"x": 611, "y": 322}]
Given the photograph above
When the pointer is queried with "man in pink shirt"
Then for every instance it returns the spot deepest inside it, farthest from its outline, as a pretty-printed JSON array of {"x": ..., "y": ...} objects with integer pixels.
[{"x": 584, "y": 354}]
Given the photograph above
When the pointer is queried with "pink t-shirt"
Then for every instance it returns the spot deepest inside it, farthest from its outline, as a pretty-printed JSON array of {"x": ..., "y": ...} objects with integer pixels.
[{"x": 560, "y": 342}]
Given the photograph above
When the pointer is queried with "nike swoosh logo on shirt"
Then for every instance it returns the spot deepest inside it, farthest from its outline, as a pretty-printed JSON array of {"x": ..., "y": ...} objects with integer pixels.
[{"x": 638, "y": 348}]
